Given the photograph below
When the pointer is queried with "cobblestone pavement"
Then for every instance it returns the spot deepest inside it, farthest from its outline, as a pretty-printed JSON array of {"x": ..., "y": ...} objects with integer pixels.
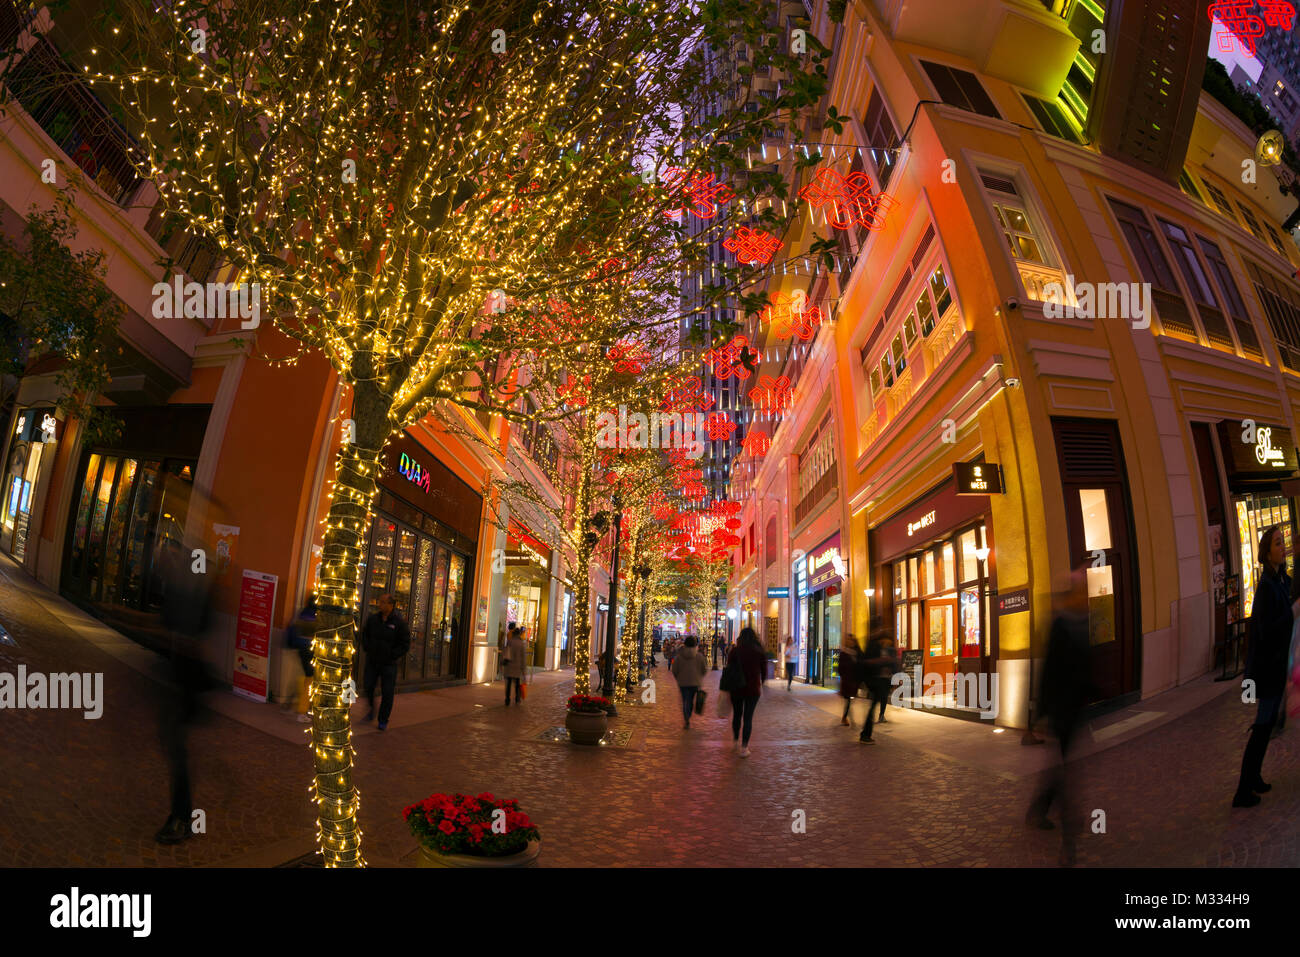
[{"x": 92, "y": 792}]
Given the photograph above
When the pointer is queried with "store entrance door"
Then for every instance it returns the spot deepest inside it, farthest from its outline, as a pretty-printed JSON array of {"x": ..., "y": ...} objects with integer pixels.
[
  {"x": 816, "y": 630},
  {"x": 941, "y": 640}
]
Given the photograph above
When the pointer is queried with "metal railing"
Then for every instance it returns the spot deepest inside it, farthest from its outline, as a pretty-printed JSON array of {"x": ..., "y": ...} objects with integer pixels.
[{"x": 79, "y": 123}]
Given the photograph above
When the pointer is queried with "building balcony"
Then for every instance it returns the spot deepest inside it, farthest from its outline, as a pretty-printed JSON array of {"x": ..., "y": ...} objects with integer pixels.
[
  {"x": 941, "y": 341},
  {"x": 1019, "y": 41},
  {"x": 80, "y": 125},
  {"x": 900, "y": 393},
  {"x": 1036, "y": 278}
]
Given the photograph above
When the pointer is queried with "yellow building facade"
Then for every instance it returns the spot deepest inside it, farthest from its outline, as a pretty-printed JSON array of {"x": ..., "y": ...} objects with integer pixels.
[{"x": 1094, "y": 311}]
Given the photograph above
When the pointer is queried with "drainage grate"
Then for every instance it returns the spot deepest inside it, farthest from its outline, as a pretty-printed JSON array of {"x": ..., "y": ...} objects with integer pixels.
[{"x": 615, "y": 738}]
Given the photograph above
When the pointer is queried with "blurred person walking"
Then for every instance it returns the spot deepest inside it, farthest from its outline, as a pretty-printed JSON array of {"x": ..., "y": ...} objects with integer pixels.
[
  {"x": 299, "y": 636},
  {"x": 1066, "y": 690},
  {"x": 689, "y": 668},
  {"x": 1272, "y": 617},
  {"x": 848, "y": 664},
  {"x": 186, "y": 610},
  {"x": 743, "y": 680},
  {"x": 791, "y": 661},
  {"x": 385, "y": 639}
]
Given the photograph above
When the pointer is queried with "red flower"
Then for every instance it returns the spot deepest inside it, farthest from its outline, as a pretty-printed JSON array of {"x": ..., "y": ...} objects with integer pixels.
[{"x": 447, "y": 827}]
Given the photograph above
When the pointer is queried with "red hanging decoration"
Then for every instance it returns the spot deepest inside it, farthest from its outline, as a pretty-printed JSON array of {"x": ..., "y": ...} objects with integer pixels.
[
  {"x": 725, "y": 361},
  {"x": 629, "y": 357},
  {"x": 854, "y": 198},
  {"x": 772, "y": 395},
  {"x": 705, "y": 195},
  {"x": 752, "y": 246},
  {"x": 791, "y": 315},
  {"x": 574, "y": 391},
  {"x": 757, "y": 443},
  {"x": 688, "y": 397},
  {"x": 718, "y": 426}
]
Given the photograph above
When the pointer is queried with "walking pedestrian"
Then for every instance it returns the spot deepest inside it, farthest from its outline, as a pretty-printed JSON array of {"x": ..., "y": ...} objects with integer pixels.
[
  {"x": 743, "y": 680},
  {"x": 848, "y": 665},
  {"x": 1272, "y": 615},
  {"x": 877, "y": 668},
  {"x": 883, "y": 681},
  {"x": 185, "y": 616},
  {"x": 689, "y": 669},
  {"x": 1067, "y": 689},
  {"x": 515, "y": 663},
  {"x": 385, "y": 640},
  {"x": 791, "y": 661},
  {"x": 299, "y": 636}
]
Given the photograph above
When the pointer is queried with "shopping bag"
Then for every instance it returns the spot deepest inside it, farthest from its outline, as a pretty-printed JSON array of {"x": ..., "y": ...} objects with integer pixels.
[
  {"x": 523, "y": 691},
  {"x": 700, "y": 695},
  {"x": 724, "y": 705}
]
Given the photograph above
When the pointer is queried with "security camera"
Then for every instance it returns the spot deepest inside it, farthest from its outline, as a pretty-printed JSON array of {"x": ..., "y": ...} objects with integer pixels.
[
  {"x": 1013, "y": 303},
  {"x": 1013, "y": 383}
]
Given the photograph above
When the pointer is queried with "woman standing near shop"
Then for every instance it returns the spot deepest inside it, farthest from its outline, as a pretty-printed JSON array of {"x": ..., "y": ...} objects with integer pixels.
[
  {"x": 848, "y": 668},
  {"x": 1272, "y": 615}
]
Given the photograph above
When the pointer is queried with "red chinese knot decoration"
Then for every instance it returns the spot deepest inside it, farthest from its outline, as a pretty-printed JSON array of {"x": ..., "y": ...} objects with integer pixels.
[
  {"x": 705, "y": 195},
  {"x": 772, "y": 395},
  {"x": 757, "y": 442},
  {"x": 792, "y": 316},
  {"x": 752, "y": 246},
  {"x": 1242, "y": 25},
  {"x": 853, "y": 197},
  {"x": 725, "y": 361}
]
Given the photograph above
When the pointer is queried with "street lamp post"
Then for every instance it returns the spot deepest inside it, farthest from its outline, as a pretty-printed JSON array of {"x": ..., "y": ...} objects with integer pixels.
[
  {"x": 717, "y": 597},
  {"x": 611, "y": 626},
  {"x": 642, "y": 573}
]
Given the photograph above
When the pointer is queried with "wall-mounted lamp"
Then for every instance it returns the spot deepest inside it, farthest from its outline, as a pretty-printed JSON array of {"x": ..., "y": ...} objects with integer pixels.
[
  {"x": 869, "y": 592},
  {"x": 731, "y": 613},
  {"x": 982, "y": 553}
]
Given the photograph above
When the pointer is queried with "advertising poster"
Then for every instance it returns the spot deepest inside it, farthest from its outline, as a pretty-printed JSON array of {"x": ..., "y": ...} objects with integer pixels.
[
  {"x": 253, "y": 635},
  {"x": 224, "y": 538}
]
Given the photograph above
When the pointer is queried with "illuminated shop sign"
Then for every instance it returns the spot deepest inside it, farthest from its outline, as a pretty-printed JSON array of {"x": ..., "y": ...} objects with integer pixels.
[
  {"x": 412, "y": 471},
  {"x": 825, "y": 566},
  {"x": 925, "y": 521},
  {"x": 1257, "y": 448},
  {"x": 977, "y": 478}
]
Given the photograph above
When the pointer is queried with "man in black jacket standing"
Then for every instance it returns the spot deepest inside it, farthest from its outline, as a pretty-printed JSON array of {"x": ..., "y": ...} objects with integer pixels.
[{"x": 385, "y": 639}]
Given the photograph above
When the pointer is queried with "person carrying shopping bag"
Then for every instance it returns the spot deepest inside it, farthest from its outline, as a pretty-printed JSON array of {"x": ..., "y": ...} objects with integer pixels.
[{"x": 689, "y": 668}]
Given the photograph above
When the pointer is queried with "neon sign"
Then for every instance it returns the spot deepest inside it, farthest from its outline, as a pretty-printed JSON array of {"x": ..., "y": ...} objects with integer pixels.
[{"x": 412, "y": 471}]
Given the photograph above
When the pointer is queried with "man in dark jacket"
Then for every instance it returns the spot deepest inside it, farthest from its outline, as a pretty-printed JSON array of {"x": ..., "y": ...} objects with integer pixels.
[
  {"x": 385, "y": 640},
  {"x": 1272, "y": 616}
]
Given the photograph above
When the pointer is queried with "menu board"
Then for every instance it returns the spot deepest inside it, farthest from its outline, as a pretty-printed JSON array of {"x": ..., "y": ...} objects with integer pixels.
[{"x": 253, "y": 635}]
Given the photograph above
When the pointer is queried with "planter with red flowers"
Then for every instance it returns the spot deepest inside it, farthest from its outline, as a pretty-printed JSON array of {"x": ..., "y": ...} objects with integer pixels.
[
  {"x": 586, "y": 718},
  {"x": 460, "y": 830}
]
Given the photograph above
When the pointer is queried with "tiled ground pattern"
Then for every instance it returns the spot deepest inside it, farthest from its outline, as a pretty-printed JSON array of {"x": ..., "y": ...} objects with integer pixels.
[{"x": 93, "y": 792}]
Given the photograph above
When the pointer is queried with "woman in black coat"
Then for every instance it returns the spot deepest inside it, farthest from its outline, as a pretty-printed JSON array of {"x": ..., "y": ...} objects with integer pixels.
[{"x": 1272, "y": 615}]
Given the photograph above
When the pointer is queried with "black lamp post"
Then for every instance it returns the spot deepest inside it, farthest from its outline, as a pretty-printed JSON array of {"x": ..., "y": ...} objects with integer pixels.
[
  {"x": 717, "y": 597},
  {"x": 611, "y": 626},
  {"x": 642, "y": 574}
]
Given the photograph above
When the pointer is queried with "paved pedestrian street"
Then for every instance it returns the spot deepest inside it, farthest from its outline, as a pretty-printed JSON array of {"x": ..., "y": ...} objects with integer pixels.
[{"x": 934, "y": 790}]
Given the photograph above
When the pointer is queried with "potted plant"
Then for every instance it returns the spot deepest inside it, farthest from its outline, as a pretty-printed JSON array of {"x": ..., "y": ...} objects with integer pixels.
[
  {"x": 586, "y": 718},
  {"x": 460, "y": 830}
]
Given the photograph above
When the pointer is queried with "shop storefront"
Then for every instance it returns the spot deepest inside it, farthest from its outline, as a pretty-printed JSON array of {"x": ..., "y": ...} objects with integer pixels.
[
  {"x": 421, "y": 548},
  {"x": 126, "y": 531},
  {"x": 801, "y": 619},
  {"x": 527, "y": 587},
  {"x": 1257, "y": 501},
  {"x": 825, "y": 576},
  {"x": 34, "y": 429},
  {"x": 934, "y": 581}
]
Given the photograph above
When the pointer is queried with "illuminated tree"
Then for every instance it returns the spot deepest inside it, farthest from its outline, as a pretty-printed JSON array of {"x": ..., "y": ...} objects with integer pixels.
[{"x": 414, "y": 187}]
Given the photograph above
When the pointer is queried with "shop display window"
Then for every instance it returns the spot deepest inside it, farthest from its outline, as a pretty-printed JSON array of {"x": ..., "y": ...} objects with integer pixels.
[{"x": 947, "y": 612}]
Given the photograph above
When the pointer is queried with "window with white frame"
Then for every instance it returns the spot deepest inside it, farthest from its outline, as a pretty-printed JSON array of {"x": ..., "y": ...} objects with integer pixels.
[
  {"x": 921, "y": 302},
  {"x": 1012, "y": 215}
]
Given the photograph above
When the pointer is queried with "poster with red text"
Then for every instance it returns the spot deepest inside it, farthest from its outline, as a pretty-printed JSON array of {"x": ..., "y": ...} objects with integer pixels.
[{"x": 253, "y": 635}]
